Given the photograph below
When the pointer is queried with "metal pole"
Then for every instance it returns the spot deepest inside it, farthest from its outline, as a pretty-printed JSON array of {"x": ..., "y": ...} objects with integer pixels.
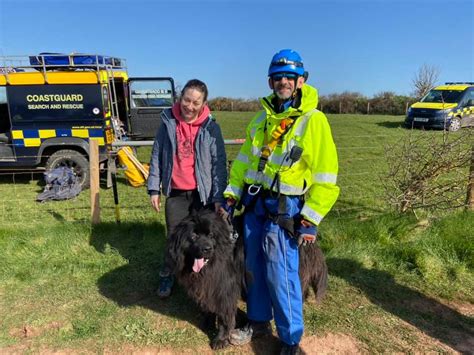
[
  {"x": 94, "y": 180},
  {"x": 236, "y": 141},
  {"x": 113, "y": 175},
  {"x": 470, "y": 185},
  {"x": 116, "y": 199}
]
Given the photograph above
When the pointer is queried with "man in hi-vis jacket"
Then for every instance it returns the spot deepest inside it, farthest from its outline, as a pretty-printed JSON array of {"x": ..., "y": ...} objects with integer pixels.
[{"x": 285, "y": 175}]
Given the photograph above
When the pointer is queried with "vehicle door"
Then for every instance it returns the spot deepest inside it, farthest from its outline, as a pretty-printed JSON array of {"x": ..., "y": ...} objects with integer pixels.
[
  {"x": 7, "y": 152},
  {"x": 468, "y": 108},
  {"x": 147, "y": 98}
]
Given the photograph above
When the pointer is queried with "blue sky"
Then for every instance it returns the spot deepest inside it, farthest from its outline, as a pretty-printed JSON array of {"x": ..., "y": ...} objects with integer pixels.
[{"x": 362, "y": 46}]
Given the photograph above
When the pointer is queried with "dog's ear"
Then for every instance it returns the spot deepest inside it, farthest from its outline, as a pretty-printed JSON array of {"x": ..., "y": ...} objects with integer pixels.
[
  {"x": 220, "y": 231},
  {"x": 178, "y": 242}
]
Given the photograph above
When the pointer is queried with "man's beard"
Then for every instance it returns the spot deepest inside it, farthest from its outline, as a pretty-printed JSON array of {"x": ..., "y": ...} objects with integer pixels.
[{"x": 283, "y": 96}]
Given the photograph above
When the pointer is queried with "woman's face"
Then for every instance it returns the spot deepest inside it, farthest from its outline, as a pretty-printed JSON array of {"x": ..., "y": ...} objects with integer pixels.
[{"x": 191, "y": 104}]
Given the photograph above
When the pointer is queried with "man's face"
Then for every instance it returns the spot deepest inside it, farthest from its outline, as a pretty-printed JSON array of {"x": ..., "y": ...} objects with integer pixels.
[{"x": 284, "y": 84}]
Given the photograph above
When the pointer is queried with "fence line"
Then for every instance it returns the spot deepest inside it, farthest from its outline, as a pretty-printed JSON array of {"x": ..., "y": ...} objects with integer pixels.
[{"x": 361, "y": 192}]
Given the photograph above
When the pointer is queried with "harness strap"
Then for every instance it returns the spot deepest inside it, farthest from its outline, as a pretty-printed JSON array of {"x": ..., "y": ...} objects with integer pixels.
[
  {"x": 280, "y": 218},
  {"x": 268, "y": 147},
  {"x": 284, "y": 222}
]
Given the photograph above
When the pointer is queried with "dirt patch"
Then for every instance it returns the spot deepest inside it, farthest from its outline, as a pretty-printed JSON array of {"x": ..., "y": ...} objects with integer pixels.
[
  {"x": 466, "y": 309},
  {"x": 29, "y": 331},
  {"x": 331, "y": 344},
  {"x": 421, "y": 342}
]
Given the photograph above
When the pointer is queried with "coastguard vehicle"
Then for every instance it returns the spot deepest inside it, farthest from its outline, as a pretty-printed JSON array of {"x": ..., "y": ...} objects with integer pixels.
[
  {"x": 52, "y": 105},
  {"x": 449, "y": 106}
]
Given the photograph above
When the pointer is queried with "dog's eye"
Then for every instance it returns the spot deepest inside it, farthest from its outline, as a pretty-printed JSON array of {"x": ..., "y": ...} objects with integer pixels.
[
  {"x": 211, "y": 235},
  {"x": 194, "y": 236}
]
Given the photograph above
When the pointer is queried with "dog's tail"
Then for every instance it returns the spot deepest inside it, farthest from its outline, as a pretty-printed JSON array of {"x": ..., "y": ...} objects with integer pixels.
[
  {"x": 319, "y": 283},
  {"x": 313, "y": 271}
]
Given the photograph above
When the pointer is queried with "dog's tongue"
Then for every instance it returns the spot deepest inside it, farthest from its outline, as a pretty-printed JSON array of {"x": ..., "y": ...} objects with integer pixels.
[{"x": 198, "y": 264}]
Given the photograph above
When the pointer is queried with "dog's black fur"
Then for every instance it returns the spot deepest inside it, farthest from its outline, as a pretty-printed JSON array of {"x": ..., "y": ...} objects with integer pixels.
[{"x": 218, "y": 285}]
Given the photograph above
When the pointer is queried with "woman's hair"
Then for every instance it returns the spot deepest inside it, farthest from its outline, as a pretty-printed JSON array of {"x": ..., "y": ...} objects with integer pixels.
[{"x": 196, "y": 85}]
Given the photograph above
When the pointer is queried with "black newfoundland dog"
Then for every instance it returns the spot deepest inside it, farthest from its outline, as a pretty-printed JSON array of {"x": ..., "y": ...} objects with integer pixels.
[{"x": 211, "y": 268}]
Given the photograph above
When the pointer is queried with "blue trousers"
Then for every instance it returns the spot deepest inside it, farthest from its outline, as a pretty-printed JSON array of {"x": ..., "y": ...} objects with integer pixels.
[{"x": 271, "y": 257}]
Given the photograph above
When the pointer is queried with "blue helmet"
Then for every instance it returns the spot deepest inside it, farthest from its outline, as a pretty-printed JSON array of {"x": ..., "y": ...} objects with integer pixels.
[{"x": 286, "y": 61}]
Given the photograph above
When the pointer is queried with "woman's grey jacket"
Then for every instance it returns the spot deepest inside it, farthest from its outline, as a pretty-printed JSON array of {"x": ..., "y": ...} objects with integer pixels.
[{"x": 210, "y": 164}]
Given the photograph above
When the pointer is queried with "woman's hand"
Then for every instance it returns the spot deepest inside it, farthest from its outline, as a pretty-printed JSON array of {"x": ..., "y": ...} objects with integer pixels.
[{"x": 155, "y": 202}]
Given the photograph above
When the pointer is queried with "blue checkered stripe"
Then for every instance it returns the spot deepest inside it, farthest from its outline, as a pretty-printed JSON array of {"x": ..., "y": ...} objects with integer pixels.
[{"x": 34, "y": 137}]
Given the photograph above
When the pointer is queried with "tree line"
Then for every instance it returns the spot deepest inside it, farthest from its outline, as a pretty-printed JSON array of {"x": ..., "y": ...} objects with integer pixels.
[{"x": 384, "y": 103}]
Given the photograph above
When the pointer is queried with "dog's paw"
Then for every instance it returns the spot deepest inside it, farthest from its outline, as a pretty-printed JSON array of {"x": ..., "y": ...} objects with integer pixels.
[
  {"x": 218, "y": 343},
  {"x": 208, "y": 323}
]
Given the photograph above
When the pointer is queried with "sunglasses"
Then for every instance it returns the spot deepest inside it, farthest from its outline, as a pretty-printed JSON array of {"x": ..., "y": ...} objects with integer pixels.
[{"x": 288, "y": 76}]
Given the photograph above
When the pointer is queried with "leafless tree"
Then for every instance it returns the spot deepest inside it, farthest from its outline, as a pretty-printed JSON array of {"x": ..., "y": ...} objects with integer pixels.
[
  {"x": 425, "y": 78},
  {"x": 427, "y": 171},
  {"x": 178, "y": 87}
]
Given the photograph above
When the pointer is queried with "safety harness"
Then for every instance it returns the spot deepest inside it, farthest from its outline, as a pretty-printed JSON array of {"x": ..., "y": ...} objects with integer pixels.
[
  {"x": 255, "y": 190},
  {"x": 281, "y": 130},
  {"x": 267, "y": 148}
]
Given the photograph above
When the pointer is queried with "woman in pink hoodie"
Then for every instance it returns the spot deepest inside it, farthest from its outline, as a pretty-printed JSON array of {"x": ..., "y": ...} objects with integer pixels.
[{"x": 188, "y": 164}]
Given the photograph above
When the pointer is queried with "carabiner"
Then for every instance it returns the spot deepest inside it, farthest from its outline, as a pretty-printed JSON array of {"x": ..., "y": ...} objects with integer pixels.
[{"x": 254, "y": 189}]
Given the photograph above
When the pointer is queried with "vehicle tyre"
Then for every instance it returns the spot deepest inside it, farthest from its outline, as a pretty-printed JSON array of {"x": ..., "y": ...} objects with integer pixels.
[
  {"x": 74, "y": 160},
  {"x": 455, "y": 124}
]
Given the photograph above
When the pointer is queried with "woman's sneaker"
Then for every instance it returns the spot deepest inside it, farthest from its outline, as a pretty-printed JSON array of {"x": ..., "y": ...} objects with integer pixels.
[
  {"x": 244, "y": 335},
  {"x": 164, "y": 289},
  {"x": 241, "y": 336}
]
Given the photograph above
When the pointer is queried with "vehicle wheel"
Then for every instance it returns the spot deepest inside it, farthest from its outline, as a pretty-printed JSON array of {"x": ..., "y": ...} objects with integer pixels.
[
  {"x": 455, "y": 124},
  {"x": 74, "y": 160}
]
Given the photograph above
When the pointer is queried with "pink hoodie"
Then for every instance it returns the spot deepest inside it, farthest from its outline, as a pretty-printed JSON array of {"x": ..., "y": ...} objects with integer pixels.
[{"x": 183, "y": 177}]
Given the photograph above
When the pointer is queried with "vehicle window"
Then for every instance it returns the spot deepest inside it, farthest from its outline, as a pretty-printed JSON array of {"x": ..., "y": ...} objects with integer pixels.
[
  {"x": 151, "y": 94},
  {"x": 440, "y": 96},
  {"x": 4, "y": 119},
  {"x": 3, "y": 95},
  {"x": 469, "y": 96}
]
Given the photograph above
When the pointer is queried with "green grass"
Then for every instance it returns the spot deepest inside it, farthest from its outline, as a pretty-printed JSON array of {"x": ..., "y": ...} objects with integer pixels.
[{"x": 394, "y": 279}]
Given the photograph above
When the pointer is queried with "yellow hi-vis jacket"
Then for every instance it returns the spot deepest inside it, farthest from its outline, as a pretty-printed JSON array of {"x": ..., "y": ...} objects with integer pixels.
[{"x": 313, "y": 175}]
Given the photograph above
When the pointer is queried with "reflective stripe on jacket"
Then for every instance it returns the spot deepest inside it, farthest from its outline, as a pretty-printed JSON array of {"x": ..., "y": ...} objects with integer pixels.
[{"x": 314, "y": 174}]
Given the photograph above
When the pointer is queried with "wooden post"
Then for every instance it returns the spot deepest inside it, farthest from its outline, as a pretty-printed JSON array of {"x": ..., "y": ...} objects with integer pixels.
[
  {"x": 94, "y": 180},
  {"x": 368, "y": 107},
  {"x": 470, "y": 185},
  {"x": 340, "y": 107}
]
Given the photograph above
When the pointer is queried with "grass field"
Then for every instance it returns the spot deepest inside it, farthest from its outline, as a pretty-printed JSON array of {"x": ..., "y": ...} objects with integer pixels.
[{"x": 397, "y": 283}]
